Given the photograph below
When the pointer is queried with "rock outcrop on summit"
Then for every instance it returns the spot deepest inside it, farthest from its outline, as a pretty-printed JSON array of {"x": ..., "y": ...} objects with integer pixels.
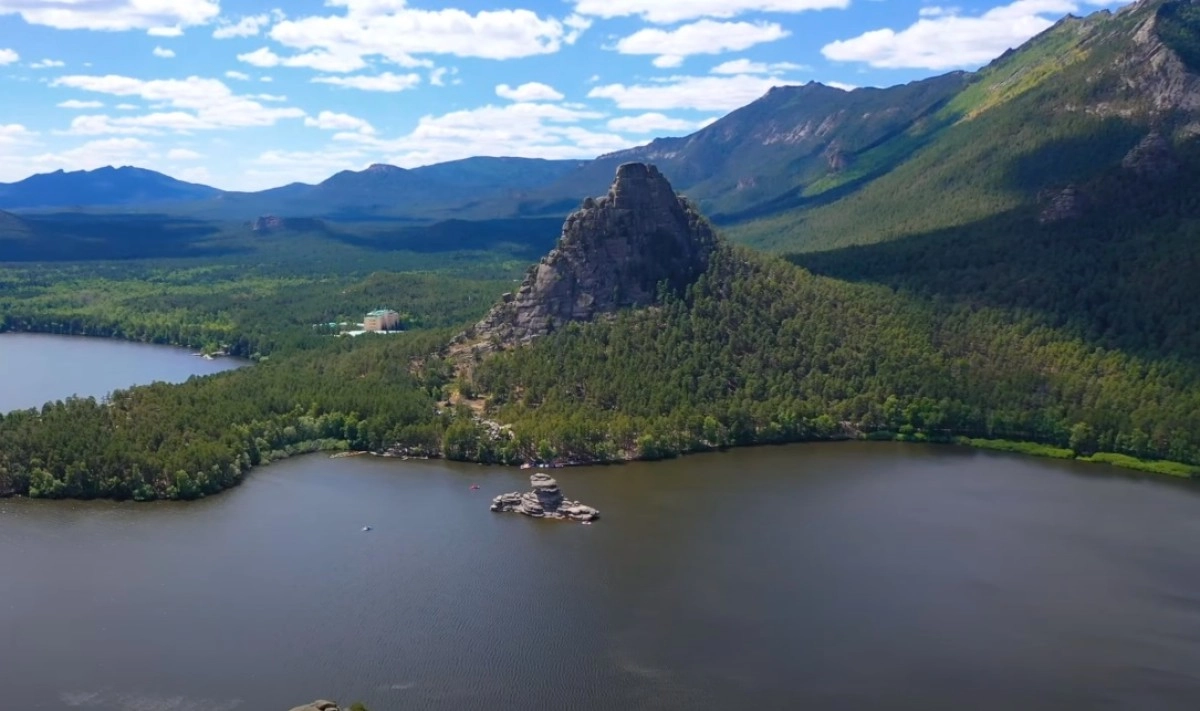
[{"x": 614, "y": 253}]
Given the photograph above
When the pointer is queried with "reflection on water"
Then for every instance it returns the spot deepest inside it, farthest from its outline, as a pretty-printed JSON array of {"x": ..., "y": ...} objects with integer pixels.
[
  {"x": 38, "y": 367},
  {"x": 846, "y": 576}
]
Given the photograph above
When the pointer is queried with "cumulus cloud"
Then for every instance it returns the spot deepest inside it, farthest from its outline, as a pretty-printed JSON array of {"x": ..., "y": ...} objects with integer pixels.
[
  {"x": 77, "y": 104},
  {"x": 535, "y": 130},
  {"x": 330, "y": 121},
  {"x": 946, "y": 39},
  {"x": 531, "y": 91},
  {"x": 708, "y": 93},
  {"x": 240, "y": 76},
  {"x": 183, "y": 154},
  {"x": 198, "y": 104},
  {"x": 319, "y": 60},
  {"x": 14, "y": 133},
  {"x": 95, "y": 154},
  {"x": 396, "y": 33},
  {"x": 47, "y": 64},
  {"x": 8, "y": 56},
  {"x": 654, "y": 122},
  {"x": 164, "y": 52},
  {"x": 175, "y": 31},
  {"x": 114, "y": 15},
  {"x": 703, "y": 37},
  {"x": 387, "y": 82},
  {"x": 248, "y": 26},
  {"x": 745, "y": 66},
  {"x": 666, "y": 12}
]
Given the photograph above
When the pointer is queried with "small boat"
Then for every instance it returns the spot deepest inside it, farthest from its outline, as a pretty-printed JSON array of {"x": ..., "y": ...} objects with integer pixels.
[
  {"x": 366, "y": 528},
  {"x": 474, "y": 487}
]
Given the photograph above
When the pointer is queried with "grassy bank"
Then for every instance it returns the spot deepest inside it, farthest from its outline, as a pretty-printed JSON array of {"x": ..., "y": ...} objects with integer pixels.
[{"x": 1176, "y": 469}]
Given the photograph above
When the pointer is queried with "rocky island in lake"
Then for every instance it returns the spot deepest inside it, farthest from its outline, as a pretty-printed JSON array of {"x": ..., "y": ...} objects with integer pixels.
[{"x": 545, "y": 501}]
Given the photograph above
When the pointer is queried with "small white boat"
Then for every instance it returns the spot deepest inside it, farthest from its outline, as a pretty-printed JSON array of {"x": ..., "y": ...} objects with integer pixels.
[{"x": 366, "y": 528}]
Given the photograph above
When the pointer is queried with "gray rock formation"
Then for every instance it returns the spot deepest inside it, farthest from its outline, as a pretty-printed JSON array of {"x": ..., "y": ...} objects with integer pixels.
[
  {"x": 1153, "y": 158},
  {"x": 614, "y": 252},
  {"x": 267, "y": 223},
  {"x": 1065, "y": 204},
  {"x": 545, "y": 501}
]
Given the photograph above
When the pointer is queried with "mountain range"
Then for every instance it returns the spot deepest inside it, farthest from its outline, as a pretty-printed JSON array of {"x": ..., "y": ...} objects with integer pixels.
[{"x": 804, "y": 167}]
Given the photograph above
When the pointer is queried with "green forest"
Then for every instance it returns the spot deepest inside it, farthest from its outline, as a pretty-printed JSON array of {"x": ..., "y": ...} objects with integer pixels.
[{"x": 916, "y": 291}]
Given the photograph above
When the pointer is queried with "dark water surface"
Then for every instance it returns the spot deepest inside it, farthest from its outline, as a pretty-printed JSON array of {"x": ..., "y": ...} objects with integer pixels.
[
  {"x": 847, "y": 576},
  {"x": 35, "y": 368}
]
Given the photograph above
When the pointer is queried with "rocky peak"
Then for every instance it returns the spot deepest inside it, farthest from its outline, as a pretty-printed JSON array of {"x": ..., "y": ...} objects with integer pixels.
[
  {"x": 383, "y": 169},
  {"x": 614, "y": 253},
  {"x": 267, "y": 223}
]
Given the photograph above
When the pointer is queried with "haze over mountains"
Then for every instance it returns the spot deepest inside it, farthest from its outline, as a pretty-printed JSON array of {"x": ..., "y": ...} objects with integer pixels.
[{"x": 804, "y": 166}]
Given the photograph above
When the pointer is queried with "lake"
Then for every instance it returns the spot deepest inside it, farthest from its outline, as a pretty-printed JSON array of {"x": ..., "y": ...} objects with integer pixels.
[
  {"x": 40, "y": 367},
  {"x": 841, "y": 576},
  {"x": 823, "y": 576}
]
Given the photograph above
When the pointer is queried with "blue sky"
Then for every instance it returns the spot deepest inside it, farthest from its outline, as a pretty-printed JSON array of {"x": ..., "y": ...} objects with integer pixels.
[{"x": 249, "y": 94}]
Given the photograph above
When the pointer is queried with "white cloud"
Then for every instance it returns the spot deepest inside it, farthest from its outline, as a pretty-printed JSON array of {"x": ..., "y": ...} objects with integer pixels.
[
  {"x": 195, "y": 174},
  {"x": 240, "y": 76},
  {"x": 95, "y": 154},
  {"x": 77, "y": 104},
  {"x": 183, "y": 154},
  {"x": 174, "y": 31},
  {"x": 949, "y": 39},
  {"x": 437, "y": 77},
  {"x": 710, "y": 93},
  {"x": 653, "y": 123},
  {"x": 113, "y": 15},
  {"x": 47, "y": 64},
  {"x": 163, "y": 52},
  {"x": 14, "y": 133},
  {"x": 745, "y": 66},
  {"x": 396, "y": 32},
  {"x": 841, "y": 85},
  {"x": 128, "y": 107},
  {"x": 198, "y": 103},
  {"x": 387, "y": 82},
  {"x": 330, "y": 121},
  {"x": 703, "y": 37},
  {"x": 319, "y": 60},
  {"x": 248, "y": 26},
  {"x": 269, "y": 97},
  {"x": 8, "y": 56},
  {"x": 535, "y": 130},
  {"x": 667, "y": 11},
  {"x": 531, "y": 91}
]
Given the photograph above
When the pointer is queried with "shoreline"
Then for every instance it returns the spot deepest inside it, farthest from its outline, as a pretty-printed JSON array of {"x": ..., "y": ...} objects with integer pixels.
[{"x": 1165, "y": 469}]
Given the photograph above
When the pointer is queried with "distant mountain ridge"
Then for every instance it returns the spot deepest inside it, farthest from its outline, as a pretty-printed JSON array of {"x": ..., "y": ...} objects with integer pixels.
[
  {"x": 803, "y": 166},
  {"x": 108, "y": 186}
]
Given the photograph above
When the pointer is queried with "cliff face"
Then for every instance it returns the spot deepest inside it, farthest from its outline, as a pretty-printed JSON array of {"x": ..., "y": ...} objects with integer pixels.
[{"x": 614, "y": 252}]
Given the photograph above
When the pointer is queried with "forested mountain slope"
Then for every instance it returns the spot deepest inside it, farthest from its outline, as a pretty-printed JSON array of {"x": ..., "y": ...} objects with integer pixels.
[{"x": 1056, "y": 118}]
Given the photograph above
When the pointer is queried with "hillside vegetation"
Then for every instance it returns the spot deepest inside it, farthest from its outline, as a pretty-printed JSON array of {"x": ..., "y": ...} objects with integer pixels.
[{"x": 1010, "y": 259}]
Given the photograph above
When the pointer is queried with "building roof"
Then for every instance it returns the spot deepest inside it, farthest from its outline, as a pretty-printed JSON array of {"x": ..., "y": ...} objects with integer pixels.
[{"x": 381, "y": 312}]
